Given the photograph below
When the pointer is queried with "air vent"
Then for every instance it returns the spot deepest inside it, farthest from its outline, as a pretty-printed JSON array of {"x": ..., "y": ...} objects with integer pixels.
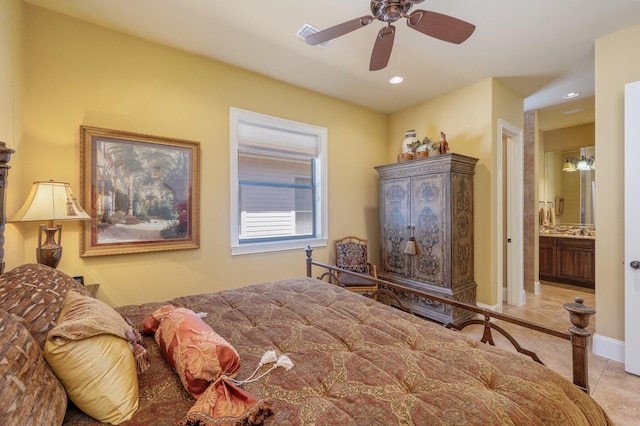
[{"x": 307, "y": 29}]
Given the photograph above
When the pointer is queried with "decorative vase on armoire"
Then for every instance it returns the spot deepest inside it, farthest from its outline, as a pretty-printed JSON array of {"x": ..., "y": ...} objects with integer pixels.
[{"x": 431, "y": 200}]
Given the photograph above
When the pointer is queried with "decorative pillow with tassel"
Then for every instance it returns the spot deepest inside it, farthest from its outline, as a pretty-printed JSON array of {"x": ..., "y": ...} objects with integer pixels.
[
  {"x": 206, "y": 364},
  {"x": 96, "y": 354}
]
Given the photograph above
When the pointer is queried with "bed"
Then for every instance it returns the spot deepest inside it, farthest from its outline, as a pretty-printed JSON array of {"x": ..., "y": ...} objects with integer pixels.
[
  {"x": 355, "y": 361},
  {"x": 351, "y": 360}
]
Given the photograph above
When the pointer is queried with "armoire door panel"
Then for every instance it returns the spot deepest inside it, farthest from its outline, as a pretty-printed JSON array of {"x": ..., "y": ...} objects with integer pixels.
[
  {"x": 428, "y": 215},
  {"x": 394, "y": 211}
]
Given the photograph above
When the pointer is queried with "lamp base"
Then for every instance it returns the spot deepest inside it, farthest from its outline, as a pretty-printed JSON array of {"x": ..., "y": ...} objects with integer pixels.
[{"x": 50, "y": 252}]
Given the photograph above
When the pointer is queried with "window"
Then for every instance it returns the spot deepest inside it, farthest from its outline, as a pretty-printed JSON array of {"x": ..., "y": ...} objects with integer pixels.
[{"x": 278, "y": 183}]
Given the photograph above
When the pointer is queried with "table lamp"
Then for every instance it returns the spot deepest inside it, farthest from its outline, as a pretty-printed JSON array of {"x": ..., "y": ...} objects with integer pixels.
[{"x": 50, "y": 201}]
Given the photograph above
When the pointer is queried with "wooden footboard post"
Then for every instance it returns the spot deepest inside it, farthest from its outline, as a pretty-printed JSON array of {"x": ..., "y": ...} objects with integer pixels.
[
  {"x": 308, "y": 250},
  {"x": 579, "y": 315}
]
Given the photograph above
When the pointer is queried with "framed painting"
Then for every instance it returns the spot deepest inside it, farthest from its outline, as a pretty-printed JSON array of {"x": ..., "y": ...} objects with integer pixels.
[
  {"x": 559, "y": 206},
  {"x": 142, "y": 192}
]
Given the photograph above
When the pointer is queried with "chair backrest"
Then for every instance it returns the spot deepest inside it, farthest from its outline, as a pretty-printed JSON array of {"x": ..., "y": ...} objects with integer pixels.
[{"x": 351, "y": 254}]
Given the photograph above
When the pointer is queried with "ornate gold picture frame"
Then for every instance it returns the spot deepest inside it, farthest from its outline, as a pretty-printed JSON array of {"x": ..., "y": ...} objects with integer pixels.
[{"x": 142, "y": 192}]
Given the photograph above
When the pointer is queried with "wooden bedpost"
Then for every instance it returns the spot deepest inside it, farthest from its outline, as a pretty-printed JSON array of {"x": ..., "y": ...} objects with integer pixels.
[
  {"x": 5, "y": 156},
  {"x": 308, "y": 250},
  {"x": 579, "y": 315}
]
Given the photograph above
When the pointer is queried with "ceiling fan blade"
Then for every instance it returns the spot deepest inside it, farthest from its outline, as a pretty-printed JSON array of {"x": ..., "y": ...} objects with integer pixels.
[
  {"x": 382, "y": 48},
  {"x": 338, "y": 30},
  {"x": 443, "y": 27}
]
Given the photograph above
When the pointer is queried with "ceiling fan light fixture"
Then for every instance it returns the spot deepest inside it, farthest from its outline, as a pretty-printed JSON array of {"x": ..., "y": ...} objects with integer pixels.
[
  {"x": 389, "y": 11},
  {"x": 392, "y": 14}
]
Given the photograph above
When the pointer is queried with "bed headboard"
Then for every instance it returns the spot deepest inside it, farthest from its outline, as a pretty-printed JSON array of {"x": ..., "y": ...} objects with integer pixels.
[{"x": 5, "y": 157}]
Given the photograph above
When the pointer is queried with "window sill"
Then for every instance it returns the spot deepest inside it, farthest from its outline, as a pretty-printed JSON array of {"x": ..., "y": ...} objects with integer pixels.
[{"x": 253, "y": 248}]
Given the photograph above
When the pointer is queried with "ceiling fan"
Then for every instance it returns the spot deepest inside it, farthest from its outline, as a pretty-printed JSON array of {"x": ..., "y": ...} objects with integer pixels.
[{"x": 443, "y": 27}]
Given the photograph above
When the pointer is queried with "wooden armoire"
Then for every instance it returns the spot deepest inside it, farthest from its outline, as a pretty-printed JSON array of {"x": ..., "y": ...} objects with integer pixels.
[{"x": 431, "y": 200}]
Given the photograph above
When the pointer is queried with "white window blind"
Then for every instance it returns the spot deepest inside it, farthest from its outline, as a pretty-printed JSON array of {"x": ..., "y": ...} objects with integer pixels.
[{"x": 256, "y": 137}]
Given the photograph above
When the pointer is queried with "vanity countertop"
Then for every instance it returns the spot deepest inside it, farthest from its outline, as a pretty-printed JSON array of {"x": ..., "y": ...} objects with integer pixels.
[{"x": 588, "y": 233}]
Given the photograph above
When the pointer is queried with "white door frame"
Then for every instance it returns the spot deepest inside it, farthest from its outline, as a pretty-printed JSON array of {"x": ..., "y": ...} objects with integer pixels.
[
  {"x": 631, "y": 227},
  {"x": 515, "y": 214}
]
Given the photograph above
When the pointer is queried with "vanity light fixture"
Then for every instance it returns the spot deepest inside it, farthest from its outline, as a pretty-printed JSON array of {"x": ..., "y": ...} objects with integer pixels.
[
  {"x": 396, "y": 80},
  {"x": 569, "y": 165},
  {"x": 583, "y": 164}
]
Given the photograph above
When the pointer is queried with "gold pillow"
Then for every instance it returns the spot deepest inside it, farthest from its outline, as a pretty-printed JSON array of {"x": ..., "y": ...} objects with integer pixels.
[{"x": 90, "y": 355}]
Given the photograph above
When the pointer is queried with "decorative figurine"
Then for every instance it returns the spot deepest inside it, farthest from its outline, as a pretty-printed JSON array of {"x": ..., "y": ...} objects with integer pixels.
[{"x": 444, "y": 146}]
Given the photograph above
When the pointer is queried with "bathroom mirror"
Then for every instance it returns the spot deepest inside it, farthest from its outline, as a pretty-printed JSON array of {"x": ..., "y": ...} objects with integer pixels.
[{"x": 571, "y": 193}]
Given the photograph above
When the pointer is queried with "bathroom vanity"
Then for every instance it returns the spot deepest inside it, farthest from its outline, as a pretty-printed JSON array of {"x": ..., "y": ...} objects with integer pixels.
[{"x": 568, "y": 259}]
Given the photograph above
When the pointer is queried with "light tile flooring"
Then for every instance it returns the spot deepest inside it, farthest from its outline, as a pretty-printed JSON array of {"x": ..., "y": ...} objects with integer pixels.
[{"x": 615, "y": 390}]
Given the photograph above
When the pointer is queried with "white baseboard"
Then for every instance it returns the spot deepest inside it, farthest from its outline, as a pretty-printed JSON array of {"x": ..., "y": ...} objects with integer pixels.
[
  {"x": 608, "y": 348},
  {"x": 494, "y": 308}
]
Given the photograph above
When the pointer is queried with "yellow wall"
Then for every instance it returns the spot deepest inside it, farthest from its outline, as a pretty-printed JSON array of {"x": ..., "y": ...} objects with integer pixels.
[
  {"x": 469, "y": 117},
  {"x": 570, "y": 138},
  {"x": 11, "y": 94},
  {"x": 81, "y": 74},
  {"x": 617, "y": 63}
]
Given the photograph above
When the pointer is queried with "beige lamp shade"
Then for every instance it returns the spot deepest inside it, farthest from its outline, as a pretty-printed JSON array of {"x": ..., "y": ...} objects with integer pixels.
[{"x": 50, "y": 201}]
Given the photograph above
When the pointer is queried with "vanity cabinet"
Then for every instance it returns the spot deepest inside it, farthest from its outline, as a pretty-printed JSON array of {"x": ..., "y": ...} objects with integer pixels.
[
  {"x": 568, "y": 260},
  {"x": 547, "y": 264},
  {"x": 430, "y": 199}
]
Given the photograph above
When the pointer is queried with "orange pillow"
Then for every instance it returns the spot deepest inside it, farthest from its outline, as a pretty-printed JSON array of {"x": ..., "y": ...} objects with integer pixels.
[{"x": 197, "y": 353}]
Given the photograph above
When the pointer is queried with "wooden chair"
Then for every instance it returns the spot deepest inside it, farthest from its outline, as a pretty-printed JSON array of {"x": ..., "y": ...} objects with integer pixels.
[{"x": 351, "y": 255}]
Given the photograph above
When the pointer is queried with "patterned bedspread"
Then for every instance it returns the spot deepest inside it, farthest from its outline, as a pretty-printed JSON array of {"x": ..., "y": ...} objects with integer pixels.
[{"x": 357, "y": 361}]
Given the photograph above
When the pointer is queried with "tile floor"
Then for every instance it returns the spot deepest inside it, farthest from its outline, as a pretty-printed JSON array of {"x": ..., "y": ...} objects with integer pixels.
[{"x": 615, "y": 390}]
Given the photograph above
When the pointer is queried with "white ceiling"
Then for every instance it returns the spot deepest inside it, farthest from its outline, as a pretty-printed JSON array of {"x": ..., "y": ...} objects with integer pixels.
[{"x": 541, "y": 49}]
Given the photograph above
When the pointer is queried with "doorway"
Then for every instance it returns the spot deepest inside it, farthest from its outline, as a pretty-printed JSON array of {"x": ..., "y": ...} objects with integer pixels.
[
  {"x": 566, "y": 196},
  {"x": 510, "y": 229}
]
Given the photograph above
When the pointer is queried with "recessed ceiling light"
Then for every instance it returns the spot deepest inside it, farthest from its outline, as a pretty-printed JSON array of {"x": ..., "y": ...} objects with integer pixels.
[
  {"x": 396, "y": 80},
  {"x": 571, "y": 95}
]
